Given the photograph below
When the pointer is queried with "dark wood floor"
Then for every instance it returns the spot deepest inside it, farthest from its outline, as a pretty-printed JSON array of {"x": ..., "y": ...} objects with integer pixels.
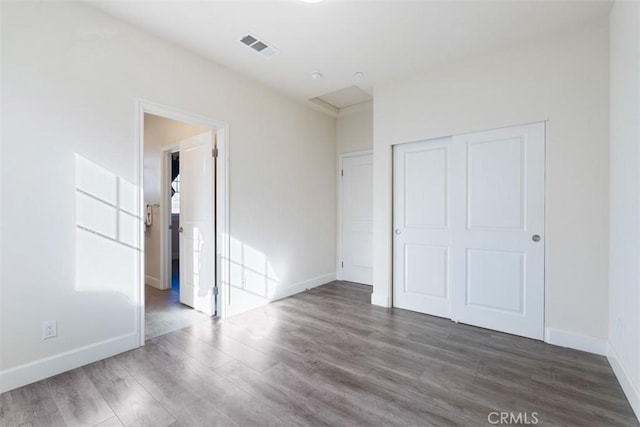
[{"x": 327, "y": 357}]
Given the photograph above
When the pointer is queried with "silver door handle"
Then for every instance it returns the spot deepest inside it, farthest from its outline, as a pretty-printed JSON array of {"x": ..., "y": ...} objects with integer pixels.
[
  {"x": 535, "y": 237},
  {"x": 180, "y": 230},
  {"x": 398, "y": 231}
]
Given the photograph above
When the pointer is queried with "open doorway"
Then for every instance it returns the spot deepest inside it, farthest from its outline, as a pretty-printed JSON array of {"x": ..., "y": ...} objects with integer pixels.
[
  {"x": 181, "y": 254},
  {"x": 174, "y": 188}
]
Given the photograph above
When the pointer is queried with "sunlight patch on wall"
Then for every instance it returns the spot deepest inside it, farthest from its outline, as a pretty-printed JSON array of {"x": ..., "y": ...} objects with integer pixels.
[
  {"x": 251, "y": 271},
  {"x": 108, "y": 228}
]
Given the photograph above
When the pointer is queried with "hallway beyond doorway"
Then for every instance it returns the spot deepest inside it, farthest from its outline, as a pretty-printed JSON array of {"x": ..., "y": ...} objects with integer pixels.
[{"x": 164, "y": 313}]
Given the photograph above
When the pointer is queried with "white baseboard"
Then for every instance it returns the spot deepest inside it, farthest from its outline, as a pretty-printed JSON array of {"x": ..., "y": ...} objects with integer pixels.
[
  {"x": 303, "y": 286},
  {"x": 255, "y": 301},
  {"x": 380, "y": 300},
  {"x": 49, "y": 366},
  {"x": 575, "y": 341},
  {"x": 629, "y": 388},
  {"x": 152, "y": 281}
]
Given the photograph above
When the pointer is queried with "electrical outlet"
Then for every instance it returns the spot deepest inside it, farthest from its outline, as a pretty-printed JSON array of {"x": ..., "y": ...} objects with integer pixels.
[{"x": 49, "y": 329}]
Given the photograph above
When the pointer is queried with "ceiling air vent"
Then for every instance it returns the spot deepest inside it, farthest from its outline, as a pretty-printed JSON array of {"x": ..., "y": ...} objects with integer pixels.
[{"x": 259, "y": 46}]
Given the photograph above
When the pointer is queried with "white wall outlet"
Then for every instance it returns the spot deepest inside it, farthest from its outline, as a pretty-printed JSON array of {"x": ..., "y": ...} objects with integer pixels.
[{"x": 49, "y": 329}]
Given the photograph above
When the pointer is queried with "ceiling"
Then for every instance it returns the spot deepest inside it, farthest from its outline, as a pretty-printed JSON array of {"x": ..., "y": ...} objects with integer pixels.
[{"x": 383, "y": 39}]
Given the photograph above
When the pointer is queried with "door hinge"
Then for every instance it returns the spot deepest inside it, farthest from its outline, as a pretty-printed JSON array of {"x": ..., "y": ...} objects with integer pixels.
[
  {"x": 215, "y": 290},
  {"x": 342, "y": 172},
  {"x": 342, "y": 264},
  {"x": 214, "y": 152}
]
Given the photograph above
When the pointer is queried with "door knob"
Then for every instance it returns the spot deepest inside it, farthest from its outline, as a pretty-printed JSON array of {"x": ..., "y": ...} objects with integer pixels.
[
  {"x": 398, "y": 231},
  {"x": 535, "y": 237},
  {"x": 180, "y": 230}
]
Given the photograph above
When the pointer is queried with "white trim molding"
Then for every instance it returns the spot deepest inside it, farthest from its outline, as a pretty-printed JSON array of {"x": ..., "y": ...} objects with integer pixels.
[
  {"x": 165, "y": 218},
  {"x": 575, "y": 341},
  {"x": 221, "y": 132},
  {"x": 31, "y": 372},
  {"x": 152, "y": 281},
  {"x": 625, "y": 380},
  {"x": 303, "y": 286},
  {"x": 380, "y": 300},
  {"x": 284, "y": 292}
]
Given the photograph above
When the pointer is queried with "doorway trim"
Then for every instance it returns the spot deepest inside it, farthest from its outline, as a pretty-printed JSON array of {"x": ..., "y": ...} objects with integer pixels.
[
  {"x": 339, "y": 248},
  {"x": 221, "y": 132},
  {"x": 166, "y": 255}
]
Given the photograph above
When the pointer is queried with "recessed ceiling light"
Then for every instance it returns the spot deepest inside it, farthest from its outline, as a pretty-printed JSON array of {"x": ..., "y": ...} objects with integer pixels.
[
  {"x": 358, "y": 74},
  {"x": 316, "y": 76}
]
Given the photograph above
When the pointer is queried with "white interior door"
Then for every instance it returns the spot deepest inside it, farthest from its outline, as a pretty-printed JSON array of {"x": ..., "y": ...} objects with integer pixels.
[
  {"x": 498, "y": 217},
  {"x": 469, "y": 228},
  {"x": 197, "y": 239},
  {"x": 357, "y": 219},
  {"x": 422, "y": 227}
]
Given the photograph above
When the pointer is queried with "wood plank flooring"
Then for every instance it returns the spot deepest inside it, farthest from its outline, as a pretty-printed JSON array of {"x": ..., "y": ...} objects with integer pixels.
[
  {"x": 326, "y": 357},
  {"x": 164, "y": 313}
]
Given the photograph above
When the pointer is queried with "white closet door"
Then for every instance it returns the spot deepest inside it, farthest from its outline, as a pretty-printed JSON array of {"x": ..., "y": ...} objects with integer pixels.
[
  {"x": 357, "y": 219},
  {"x": 422, "y": 227},
  {"x": 498, "y": 229}
]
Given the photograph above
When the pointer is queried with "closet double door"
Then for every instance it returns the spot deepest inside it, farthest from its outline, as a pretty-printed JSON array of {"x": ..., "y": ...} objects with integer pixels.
[{"x": 469, "y": 228}]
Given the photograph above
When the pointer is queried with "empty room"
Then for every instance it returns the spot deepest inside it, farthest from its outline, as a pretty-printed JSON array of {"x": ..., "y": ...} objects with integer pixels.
[{"x": 319, "y": 213}]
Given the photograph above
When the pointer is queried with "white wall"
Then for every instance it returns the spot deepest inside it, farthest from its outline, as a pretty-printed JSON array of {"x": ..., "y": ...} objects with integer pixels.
[
  {"x": 562, "y": 79},
  {"x": 159, "y": 133},
  {"x": 70, "y": 76},
  {"x": 624, "y": 272},
  {"x": 354, "y": 128}
]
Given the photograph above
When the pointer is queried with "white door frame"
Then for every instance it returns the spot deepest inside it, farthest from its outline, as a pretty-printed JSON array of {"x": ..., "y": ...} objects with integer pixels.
[
  {"x": 166, "y": 257},
  {"x": 339, "y": 236},
  {"x": 221, "y": 132}
]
